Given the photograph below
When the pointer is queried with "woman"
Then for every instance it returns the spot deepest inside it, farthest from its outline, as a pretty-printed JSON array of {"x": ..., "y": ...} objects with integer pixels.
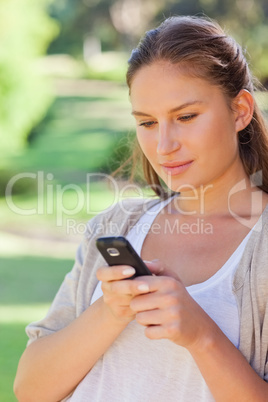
[{"x": 197, "y": 330}]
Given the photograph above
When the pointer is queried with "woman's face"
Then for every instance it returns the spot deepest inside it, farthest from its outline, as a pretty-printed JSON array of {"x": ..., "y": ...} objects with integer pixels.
[{"x": 185, "y": 127}]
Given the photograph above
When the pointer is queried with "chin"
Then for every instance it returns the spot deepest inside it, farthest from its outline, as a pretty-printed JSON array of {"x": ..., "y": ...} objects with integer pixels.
[{"x": 179, "y": 186}]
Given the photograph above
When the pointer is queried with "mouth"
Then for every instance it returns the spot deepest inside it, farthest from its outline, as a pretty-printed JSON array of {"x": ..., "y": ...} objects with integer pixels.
[{"x": 176, "y": 167}]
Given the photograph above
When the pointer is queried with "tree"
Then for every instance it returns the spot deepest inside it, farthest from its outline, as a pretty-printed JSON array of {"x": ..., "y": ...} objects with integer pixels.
[
  {"x": 246, "y": 20},
  {"x": 119, "y": 23},
  {"x": 25, "y": 32}
]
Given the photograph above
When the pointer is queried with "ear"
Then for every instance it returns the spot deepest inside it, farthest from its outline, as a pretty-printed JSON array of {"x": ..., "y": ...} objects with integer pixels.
[{"x": 243, "y": 106}]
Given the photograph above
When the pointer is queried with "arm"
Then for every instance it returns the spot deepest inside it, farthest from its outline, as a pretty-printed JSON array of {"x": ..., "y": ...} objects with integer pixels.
[
  {"x": 226, "y": 372},
  {"x": 52, "y": 366}
]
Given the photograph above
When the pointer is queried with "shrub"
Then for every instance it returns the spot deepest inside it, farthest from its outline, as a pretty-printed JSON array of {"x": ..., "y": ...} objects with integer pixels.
[{"x": 25, "y": 32}]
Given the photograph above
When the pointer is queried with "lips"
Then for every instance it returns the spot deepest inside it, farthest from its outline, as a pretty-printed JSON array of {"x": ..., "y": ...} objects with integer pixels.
[{"x": 176, "y": 167}]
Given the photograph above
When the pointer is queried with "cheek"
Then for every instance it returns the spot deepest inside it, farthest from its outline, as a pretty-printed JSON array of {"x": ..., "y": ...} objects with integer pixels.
[
  {"x": 148, "y": 144},
  {"x": 219, "y": 143},
  {"x": 220, "y": 130}
]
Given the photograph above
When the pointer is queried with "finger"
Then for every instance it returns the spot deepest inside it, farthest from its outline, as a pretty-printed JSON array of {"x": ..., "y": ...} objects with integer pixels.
[
  {"x": 156, "y": 300},
  {"x": 149, "y": 284},
  {"x": 155, "y": 266},
  {"x": 147, "y": 318},
  {"x": 150, "y": 301},
  {"x": 155, "y": 332},
  {"x": 164, "y": 331},
  {"x": 111, "y": 290},
  {"x": 127, "y": 287},
  {"x": 142, "y": 285},
  {"x": 168, "y": 318},
  {"x": 115, "y": 273}
]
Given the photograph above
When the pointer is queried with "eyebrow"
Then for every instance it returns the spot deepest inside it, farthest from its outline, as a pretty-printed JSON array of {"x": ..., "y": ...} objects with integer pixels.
[{"x": 175, "y": 109}]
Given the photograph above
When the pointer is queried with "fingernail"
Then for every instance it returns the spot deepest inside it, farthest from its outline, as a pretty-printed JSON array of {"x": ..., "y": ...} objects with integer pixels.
[
  {"x": 128, "y": 271},
  {"x": 143, "y": 287},
  {"x": 152, "y": 261}
]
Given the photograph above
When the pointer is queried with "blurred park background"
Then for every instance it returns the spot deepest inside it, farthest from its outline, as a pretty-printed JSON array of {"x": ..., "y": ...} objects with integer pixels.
[{"x": 65, "y": 125}]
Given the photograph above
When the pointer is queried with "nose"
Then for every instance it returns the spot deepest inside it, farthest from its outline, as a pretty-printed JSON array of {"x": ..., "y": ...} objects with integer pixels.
[{"x": 168, "y": 141}]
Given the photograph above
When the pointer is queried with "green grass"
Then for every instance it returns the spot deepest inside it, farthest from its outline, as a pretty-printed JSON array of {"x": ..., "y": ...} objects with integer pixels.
[
  {"x": 78, "y": 135},
  {"x": 31, "y": 279},
  {"x": 12, "y": 343},
  {"x": 66, "y": 206},
  {"x": 28, "y": 285}
]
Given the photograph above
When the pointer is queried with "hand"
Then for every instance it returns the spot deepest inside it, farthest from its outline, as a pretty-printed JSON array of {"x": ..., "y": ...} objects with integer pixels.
[
  {"x": 118, "y": 290},
  {"x": 168, "y": 311}
]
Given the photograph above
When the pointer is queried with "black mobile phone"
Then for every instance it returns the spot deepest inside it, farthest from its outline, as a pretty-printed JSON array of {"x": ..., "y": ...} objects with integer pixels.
[{"x": 118, "y": 251}]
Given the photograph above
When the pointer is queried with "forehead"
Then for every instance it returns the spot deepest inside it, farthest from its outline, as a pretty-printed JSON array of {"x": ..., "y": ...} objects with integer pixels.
[{"x": 168, "y": 84}]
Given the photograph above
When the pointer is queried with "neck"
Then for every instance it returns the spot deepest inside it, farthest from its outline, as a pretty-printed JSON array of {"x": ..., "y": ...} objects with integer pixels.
[{"x": 226, "y": 196}]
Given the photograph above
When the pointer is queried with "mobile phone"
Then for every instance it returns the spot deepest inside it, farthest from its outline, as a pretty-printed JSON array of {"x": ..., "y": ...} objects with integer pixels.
[{"x": 118, "y": 251}]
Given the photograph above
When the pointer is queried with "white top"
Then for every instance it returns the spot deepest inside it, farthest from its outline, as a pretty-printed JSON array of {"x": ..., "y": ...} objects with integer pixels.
[{"x": 137, "y": 369}]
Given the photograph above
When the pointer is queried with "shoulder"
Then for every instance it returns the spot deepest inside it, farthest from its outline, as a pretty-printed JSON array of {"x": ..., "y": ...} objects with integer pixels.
[
  {"x": 253, "y": 267},
  {"x": 254, "y": 261}
]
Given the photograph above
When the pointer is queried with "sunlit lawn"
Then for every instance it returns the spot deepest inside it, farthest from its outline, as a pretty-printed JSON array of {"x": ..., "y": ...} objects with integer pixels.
[
  {"x": 78, "y": 136},
  {"x": 28, "y": 285},
  {"x": 77, "y": 139}
]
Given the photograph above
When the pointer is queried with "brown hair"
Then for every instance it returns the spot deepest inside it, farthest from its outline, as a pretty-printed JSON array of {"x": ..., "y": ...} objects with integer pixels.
[{"x": 200, "y": 45}]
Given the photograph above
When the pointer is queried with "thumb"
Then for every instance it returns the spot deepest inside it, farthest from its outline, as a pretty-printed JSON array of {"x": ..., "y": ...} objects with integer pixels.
[{"x": 155, "y": 266}]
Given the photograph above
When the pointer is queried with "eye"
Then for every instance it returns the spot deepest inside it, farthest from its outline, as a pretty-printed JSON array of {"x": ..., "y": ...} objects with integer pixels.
[
  {"x": 147, "y": 124},
  {"x": 187, "y": 117}
]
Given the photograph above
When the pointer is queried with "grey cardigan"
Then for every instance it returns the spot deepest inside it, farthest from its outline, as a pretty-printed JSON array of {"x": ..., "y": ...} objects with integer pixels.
[{"x": 250, "y": 283}]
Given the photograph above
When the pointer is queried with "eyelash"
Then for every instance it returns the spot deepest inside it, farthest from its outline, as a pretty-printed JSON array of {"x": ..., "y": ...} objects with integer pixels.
[
  {"x": 188, "y": 117},
  {"x": 184, "y": 119},
  {"x": 147, "y": 124}
]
